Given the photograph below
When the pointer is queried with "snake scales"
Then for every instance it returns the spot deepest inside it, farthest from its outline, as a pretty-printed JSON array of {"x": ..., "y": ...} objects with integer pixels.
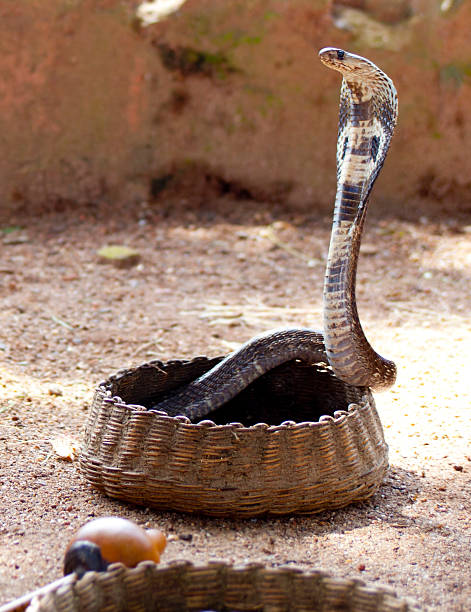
[{"x": 368, "y": 113}]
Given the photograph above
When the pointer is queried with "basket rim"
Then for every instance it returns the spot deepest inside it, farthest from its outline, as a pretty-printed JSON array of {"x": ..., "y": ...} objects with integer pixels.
[
  {"x": 251, "y": 570},
  {"x": 105, "y": 387},
  {"x": 367, "y": 401}
]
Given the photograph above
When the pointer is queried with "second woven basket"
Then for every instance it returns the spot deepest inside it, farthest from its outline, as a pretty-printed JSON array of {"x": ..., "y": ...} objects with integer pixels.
[{"x": 183, "y": 587}]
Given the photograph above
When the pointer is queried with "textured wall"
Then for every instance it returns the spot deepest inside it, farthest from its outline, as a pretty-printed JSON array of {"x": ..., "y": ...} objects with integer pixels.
[{"x": 95, "y": 108}]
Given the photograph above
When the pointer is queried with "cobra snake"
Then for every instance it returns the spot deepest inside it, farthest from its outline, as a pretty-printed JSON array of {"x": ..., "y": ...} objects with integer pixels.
[{"x": 368, "y": 113}]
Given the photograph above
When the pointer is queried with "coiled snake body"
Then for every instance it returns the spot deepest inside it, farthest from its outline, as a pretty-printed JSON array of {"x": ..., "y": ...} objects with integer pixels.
[{"x": 368, "y": 112}]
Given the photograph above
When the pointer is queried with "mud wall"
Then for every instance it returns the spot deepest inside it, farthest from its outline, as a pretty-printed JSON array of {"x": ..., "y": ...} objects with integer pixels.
[{"x": 96, "y": 108}]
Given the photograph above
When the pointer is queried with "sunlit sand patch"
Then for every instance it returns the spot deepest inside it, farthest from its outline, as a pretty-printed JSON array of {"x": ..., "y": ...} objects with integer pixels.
[
  {"x": 24, "y": 403},
  {"x": 256, "y": 314}
]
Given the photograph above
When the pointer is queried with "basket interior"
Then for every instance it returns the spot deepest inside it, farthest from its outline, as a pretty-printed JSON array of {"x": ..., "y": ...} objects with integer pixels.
[{"x": 294, "y": 391}]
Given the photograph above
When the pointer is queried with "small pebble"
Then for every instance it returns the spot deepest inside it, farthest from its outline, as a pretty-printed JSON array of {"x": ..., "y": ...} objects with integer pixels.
[
  {"x": 120, "y": 256},
  {"x": 16, "y": 239},
  {"x": 186, "y": 537}
]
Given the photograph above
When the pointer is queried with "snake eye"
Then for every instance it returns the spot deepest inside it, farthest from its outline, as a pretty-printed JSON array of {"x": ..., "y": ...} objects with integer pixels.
[{"x": 340, "y": 54}]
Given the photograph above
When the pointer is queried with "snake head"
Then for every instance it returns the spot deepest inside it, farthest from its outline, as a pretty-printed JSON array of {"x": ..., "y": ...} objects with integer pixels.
[
  {"x": 359, "y": 72},
  {"x": 350, "y": 65}
]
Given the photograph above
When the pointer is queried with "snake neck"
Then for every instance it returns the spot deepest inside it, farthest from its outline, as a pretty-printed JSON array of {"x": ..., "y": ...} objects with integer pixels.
[{"x": 350, "y": 355}]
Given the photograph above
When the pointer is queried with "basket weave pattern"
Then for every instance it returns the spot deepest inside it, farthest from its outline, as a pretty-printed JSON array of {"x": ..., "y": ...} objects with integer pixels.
[
  {"x": 180, "y": 587},
  {"x": 146, "y": 457}
]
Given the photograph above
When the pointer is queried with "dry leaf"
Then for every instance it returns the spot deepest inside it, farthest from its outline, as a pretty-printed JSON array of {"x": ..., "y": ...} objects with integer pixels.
[{"x": 65, "y": 447}]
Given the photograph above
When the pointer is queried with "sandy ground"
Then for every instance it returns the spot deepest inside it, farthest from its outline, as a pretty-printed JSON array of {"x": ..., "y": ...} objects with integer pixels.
[{"x": 208, "y": 280}]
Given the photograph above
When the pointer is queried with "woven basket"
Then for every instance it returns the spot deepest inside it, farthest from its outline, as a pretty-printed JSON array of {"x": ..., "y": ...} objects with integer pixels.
[
  {"x": 330, "y": 453},
  {"x": 180, "y": 587}
]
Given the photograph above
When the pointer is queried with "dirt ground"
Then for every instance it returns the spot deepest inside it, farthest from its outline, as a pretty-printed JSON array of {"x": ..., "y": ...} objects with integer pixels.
[{"x": 207, "y": 280}]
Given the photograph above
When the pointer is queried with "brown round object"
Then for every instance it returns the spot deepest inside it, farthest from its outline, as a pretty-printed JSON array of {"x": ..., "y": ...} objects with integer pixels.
[{"x": 121, "y": 540}]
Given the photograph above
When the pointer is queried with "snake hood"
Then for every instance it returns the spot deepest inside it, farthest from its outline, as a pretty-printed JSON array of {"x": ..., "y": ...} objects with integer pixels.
[{"x": 367, "y": 95}]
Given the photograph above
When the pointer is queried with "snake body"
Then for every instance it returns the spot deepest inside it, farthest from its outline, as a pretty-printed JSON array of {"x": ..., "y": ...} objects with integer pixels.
[{"x": 368, "y": 113}]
